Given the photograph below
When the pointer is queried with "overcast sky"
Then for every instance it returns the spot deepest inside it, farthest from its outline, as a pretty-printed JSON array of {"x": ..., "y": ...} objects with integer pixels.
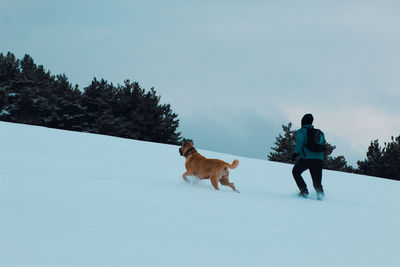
[{"x": 234, "y": 71}]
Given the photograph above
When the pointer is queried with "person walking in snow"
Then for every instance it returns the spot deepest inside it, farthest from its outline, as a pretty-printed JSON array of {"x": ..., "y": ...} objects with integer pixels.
[{"x": 310, "y": 146}]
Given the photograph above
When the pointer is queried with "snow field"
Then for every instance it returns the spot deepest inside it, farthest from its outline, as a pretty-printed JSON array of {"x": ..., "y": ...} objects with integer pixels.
[{"x": 75, "y": 199}]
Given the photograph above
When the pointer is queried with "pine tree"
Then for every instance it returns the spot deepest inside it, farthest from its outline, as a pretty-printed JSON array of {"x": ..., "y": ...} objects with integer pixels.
[
  {"x": 372, "y": 165},
  {"x": 159, "y": 122},
  {"x": 382, "y": 162},
  {"x": 391, "y": 159},
  {"x": 30, "y": 94},
  {"x": 338, "y": 163},
  {"x": 9, "y": 76},
  {"x": 146, "y": 118},
  {"x": 284, "y": 145},
  {"x": 68, "y": 112},
  {"x": 97, "y": 100},
  {"x": 27, "y": 93}
]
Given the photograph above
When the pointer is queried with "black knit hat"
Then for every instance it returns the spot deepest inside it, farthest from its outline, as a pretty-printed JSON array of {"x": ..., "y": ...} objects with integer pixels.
[{"x": 307, "y": 119}]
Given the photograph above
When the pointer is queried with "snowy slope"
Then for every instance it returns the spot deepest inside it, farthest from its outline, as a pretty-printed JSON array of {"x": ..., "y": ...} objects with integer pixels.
[{"x": 74, "y": 199}]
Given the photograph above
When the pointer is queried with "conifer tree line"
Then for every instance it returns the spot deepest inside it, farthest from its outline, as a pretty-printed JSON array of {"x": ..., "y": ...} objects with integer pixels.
[
  {"x": 380, "y": 161},
  {"x": 31, "y": 95}
]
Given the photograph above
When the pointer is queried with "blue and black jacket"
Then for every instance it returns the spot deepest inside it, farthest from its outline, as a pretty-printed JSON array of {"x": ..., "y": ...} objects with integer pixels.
[{"x": 301, "y": 149}]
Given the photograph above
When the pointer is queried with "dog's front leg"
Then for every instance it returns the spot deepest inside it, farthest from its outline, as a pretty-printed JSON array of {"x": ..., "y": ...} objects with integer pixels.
[{"x": 185, "y": 175}]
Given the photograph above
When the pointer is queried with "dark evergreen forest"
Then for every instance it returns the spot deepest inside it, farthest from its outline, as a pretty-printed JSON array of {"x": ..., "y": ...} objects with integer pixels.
[{"x": 30, "y": 94}]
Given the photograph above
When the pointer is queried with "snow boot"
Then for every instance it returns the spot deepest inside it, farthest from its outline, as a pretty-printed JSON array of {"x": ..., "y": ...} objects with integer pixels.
[
  {"x": 303, "y": 193},
  {"x": 320, "y": 195}
]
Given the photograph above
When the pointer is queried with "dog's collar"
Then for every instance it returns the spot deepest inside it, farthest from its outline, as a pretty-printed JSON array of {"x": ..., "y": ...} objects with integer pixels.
[{"x": 188, "y": 151}]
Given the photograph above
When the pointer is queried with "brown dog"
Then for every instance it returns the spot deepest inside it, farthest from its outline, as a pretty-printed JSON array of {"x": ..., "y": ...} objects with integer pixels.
[{"x": 214, "y": 169}]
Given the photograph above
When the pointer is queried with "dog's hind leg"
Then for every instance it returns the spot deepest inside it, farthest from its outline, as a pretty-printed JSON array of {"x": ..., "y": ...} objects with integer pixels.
[{"x": 225, "y": 181}]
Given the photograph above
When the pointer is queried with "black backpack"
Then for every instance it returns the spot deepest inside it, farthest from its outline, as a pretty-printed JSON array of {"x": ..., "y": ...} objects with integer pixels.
[{"x": 314, "y": 141}]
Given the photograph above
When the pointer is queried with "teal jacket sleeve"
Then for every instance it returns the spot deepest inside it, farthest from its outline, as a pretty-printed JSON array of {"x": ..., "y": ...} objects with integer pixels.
[{"x": 299, "y": 142}]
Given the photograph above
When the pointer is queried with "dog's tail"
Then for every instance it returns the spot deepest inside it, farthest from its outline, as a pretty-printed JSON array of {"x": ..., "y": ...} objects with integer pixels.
[{"x": 234, "y": 164}]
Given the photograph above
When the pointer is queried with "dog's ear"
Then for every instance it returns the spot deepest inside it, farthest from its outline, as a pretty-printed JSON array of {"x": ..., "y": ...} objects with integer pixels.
[
  {"x": 187, "y": 143},
  {"x": 180, "y": 151}
]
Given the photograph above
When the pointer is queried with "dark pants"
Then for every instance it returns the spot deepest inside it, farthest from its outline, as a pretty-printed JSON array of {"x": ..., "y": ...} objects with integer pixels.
[{"x": 315, "y": 167}]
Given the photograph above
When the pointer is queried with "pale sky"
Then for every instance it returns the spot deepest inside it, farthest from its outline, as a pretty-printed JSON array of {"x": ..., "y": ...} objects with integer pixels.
[{"x": 234, "y": 71}]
